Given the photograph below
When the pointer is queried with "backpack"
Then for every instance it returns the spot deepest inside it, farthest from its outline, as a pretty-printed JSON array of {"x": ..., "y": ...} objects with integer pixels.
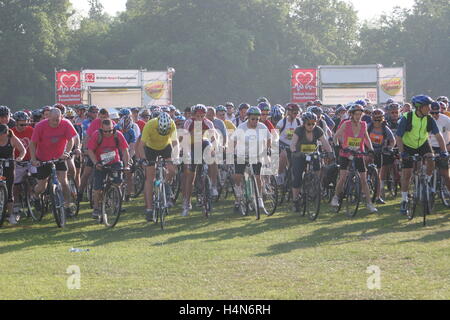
[
  {"x": 409, "y": 117},
  {"x": 285, "y": 122}
]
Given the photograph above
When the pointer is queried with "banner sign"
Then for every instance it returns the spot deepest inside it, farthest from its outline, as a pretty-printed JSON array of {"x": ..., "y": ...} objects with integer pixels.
[
  {"x": 303, "y": 85},
  {"x": 111, "y": 78},
  {"x": 156, "y": 88},
  {"x": 68, "y": 87},
  {"x": 334, "y": 96},
  {"x": 391, "y": 82}
]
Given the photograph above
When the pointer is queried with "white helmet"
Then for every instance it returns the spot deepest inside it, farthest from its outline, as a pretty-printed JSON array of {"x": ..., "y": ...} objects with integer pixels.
[{"x": 164, "y": 123}]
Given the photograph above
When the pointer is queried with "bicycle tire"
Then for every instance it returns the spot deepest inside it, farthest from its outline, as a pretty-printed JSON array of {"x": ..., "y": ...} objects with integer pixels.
[
  {"x": 270, "y": 195},
  {"x": 35, "y": 213},
  {"x": 111, "y": 205},
  {"x": 373, "y": 181},
  {"x": 206, "y": 201},
  {"x": 74, "y": 192},
  {"x": 444, "y": 194},
  {"x": 3, "y": 202},
  {"x": 138, "y": 181},
  {"x": 353, "y": 195},
  {"x": 256, "y": 197},
  {"x": 57, "y": 204},
  {"x": 312, "y": 195},
  {"x": 89, "y": 191}
]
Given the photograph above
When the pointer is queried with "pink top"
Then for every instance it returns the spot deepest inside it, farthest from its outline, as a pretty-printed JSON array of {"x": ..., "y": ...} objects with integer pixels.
[
  {"x": 107, "y": 150},
  {"x": 51, "y": 142},
  {"x": 350, "y": 140}
]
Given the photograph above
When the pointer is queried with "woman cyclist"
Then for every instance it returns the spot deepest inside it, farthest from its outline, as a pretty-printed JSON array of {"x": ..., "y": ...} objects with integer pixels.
[{"x": 353, "y": 135}]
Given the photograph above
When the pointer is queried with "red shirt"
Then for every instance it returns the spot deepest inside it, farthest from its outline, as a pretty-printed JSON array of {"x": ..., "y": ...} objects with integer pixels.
[
  {"x": 141, "y": 124},
  {"x": 51, "y": 142},
  {"x": 25, "y": 138},
  {"x": 108, "y": 146},
  {"x": 95, "y": 125},
  {"x": 269, "y": 125}
]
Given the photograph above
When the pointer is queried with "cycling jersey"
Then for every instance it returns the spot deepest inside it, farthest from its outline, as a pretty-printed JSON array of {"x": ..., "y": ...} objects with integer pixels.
[
  {"x": 380, "y": 137},
  {"x": 418, "y": 135},
  {"x": 141, "y": 124},
  {"x": 153, "y": 139},
  {"x": 190, "y": 124},
  {"x": 229, "y": 125},
  {"x": 303, "y": 144},
  {"x": 352, "y": 141},
  {"x": 269, "y": 125}
]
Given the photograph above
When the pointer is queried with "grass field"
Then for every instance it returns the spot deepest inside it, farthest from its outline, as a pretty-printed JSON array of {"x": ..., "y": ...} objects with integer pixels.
[{"x": 230, "y": 257}]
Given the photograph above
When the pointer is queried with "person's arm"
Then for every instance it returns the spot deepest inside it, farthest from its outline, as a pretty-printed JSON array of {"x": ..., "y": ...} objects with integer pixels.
[
  {"x": 441, "y": 142},
  {"x": 92, "y": 156},
  {"x": 339, "y": 133},
  {"x": 294, "y": 141},
  {"x": 369, "y": 142},
  {"x": 17, "y": 144},
  {"x": 126, "y": 158},
  {"x": 325, "y": 144},
  {"x": 34, "y": 161}
]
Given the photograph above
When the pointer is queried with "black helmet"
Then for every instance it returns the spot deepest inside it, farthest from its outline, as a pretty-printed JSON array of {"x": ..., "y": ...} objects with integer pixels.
[
  {"x": 4, "y": 111},
  {"x": 21, "y": 116}
]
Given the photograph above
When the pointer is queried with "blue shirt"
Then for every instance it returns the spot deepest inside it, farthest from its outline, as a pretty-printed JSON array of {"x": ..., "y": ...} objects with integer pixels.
[{"x": 130, "y": 135}]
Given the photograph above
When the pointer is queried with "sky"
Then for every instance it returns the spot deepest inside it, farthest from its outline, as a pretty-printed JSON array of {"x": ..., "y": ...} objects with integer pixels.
[{"x": 367, "y": 9}]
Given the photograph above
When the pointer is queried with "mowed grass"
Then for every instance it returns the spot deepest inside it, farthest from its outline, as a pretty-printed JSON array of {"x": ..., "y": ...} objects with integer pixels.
[{"x": 228, "y": 256}]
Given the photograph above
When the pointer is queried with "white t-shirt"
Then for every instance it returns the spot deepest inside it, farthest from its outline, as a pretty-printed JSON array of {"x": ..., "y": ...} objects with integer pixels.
[
  {"x": 443, "y": 124},
  {"x": 288, "y": 131},
  {"x": 251, "y": 142}
]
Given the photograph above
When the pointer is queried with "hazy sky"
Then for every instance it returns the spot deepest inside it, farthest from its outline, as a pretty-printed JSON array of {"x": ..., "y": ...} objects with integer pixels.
[{"x": 367, "y": 9}]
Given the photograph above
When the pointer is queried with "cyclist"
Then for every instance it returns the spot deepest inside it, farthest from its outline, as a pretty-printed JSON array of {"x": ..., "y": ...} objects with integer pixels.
[
  {"x": 36, "y": 117},
  {"x": 221, "y": 114},
  {"x": 81, "y": 114},
  {"x": 52, "y": 139},
  {"x": 412, "y": 138},
  {"x": 199, "y": 117},
  {"x": 242, "y": 116},
  {"x": 305, "y": 139},
  {"x": 159, "y": 137},
  {"x": 276, "y": 114},
  {"x": 230, "y": 111},
  {"x": 5, "y": 117},
  {"x": 91, "y": 116},
  {"x": 74, "y": 164},
  {"x": 144, "y": 117},
  {"x": 339, "y": 116},
  {"x": 8, "y": 143},
  {"x": 286, "y": 128},
  {"x": 46, "y": 112},
  {"x": 265, "y": 114},
  {"x": 382, "y": 139},
  {"x": 326, "y": 117},
  {"x": 106, "y": 147},
  {"x": 392, "y": 116},
  {"x": 321, "y": 121},
  {"x": 353, "y": 135},
  {"x": 443, "y": 123},
  {"x": 254, "y": 136}
]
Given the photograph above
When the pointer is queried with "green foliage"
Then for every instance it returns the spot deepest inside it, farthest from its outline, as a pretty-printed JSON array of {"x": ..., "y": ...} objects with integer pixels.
[{"x": 222, "y": 49}]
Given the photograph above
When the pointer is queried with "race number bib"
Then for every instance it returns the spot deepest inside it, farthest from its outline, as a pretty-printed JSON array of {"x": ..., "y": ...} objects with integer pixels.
[
  {"x": 308, "y": 148},
  {"x": 108, "y": 157},
  {"x": 354, "y": 143},
  {"x": 290, "y": 134},
  {"x": 376, "y": 138}
]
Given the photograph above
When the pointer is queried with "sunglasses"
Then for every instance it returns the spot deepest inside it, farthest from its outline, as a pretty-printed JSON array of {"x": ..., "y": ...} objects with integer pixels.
[
  {"x": 377, "y": 120},
  {"x": 22, "y": 125},
  {"x": 265, "y": 114},
  {"x": 434, "y": 112},
  {"x": 108, "y": 131},
  {"x": 310, "y": 124},
  {"x": 253, "y": 119},
  {"x": 93, "y": 111}
]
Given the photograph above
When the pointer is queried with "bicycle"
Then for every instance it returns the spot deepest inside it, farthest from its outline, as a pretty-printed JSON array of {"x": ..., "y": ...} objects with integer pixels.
[
  {"x": 203, "y": 189},
  {"x": 138, "y": 178},
  {"x": 112, "y": 197},
  {"x": 352, "y": 186},
  {"x": 3, "y": 190},
  {"x": 160, "y": 207},
  {"x": 440, "y": 187},
  {"x": 25, "y": 201},
  {"x": 286, "y": 188},
  {"x": 393, "y": 175},
  {"x": 421, "y": 191},
  {"x": 249, "y": 201}
]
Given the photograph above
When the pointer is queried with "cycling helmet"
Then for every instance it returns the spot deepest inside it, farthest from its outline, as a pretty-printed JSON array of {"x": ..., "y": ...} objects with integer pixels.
[
  {"x": 317, "y": 103},
  {"x": 229, "y": 104},
  {"x": 177, "y": 113},
  {"x": 135, "y": 109},
  {"x": 361, "y": 102},
  {"x": 309, "y": 116},
  {"x": 389, "y": 101},
  {"x": 262, "y": 99},
  {"x": 144, "y": 113},
  {"x": 180, "y": 119},
  {"x": 443, "y": 99},
  {"x": 356, "y": 107},
  {"x": 378, "y": 112},
  {"x": 199, "y": 107},
  {"x": 276, "y": 114},
  {"x": 124, "y": 112},
  {"x": 126, "y": 123},
  {"x": 368, "y": 108},
  {"x": 340, "y": 108},
  {"x": 172, "y": 108},
  {"x": 36, "y": 113},
  {"x": 316, "y": 110},
  {"x": 156, "y": 113},
  {"x": 254, "y": 111},
  {"x": 292, "y": 106},
  {"x": 421, "y": 100},
  {"x": 4, "y": 111},
  {"x": 243, "y": 106},
  {"x": 221, "y": 108},
  {"x": 165, "y": 109},
  {"x": 435, "y": 106},
  {"x": 264, "y": 106},
  {"x": 21, "y": 116},
  {"x": 69, "y": 113},
  {"x": 164, "y": 124},
  {"x": 393, "y": 106}
]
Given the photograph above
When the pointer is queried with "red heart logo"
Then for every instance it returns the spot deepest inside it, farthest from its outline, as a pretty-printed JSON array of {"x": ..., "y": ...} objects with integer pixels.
[
  {"x": 69, "y": 81},
  {"x": 304, "y": 78}
]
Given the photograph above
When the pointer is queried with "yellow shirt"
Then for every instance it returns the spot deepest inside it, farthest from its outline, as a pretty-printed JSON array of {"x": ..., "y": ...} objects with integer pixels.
[
  {"x": 152, "y": 138},
  {"x": 229, "y": 125}
]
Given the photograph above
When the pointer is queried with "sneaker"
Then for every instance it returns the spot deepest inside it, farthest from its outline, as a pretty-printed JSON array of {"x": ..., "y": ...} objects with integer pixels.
[
  {"x": 404, "y": 207},
  {"x": 371, "y": 208},
  {"x": 149, "y": 215},
  {"x": 335, "y": 201},
  {"x": 13, "y": 219},
  {"x": 96, "y": 214},
  {"x": 380, "y": 201}
]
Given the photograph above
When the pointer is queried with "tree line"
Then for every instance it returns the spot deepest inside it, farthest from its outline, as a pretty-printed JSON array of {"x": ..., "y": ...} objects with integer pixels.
[{"x": 222, "y": 50}]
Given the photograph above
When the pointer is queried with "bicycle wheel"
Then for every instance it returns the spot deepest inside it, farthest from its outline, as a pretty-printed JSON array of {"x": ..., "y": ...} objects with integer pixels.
[
  {"x": 352, "y": 195},
  {"x": 311, "y": 192},
  {"x": 270, "y": 194},
  {"x": 444, "y": 194},
  {"x": 33, "y": 205},
  {"x": 75, "y": 207},
  {"x": 57, "y": 203},
  {"x": 3, "y": 202},
  {"x": 206, "y": 201},
  {"x": 138, "y": 181},
  {"x": 89, "y": 190},
  {"x": 391, "y": 184},
  {"x": 111, "y": 205},
  {"x": 256, "y": 196},
  {"x": 373, "y": 181}
]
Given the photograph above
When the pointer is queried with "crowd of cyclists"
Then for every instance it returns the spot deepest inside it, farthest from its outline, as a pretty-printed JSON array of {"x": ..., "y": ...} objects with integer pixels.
[{"x": 274, "y": 140}]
